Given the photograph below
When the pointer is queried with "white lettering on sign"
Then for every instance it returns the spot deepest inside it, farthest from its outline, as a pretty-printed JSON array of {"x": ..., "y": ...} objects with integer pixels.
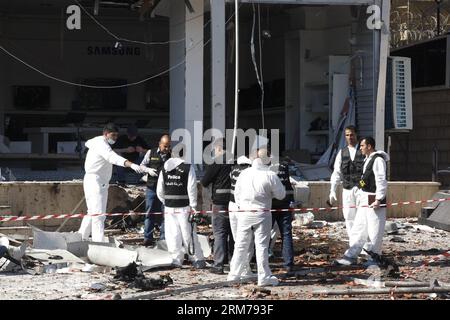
[
  {"x": 74, "y": 20},
  {"x": 374, "y": 21}
]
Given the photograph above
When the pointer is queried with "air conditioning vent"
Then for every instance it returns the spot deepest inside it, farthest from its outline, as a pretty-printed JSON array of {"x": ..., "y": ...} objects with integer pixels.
[{"x": 399, "y": 94}]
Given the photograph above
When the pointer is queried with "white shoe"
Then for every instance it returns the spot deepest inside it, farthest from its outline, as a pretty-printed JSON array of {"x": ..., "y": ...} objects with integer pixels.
[
  {"x": 272, "y": 281},
  {"x": 248, "y": 275},
  {"x": 177, "y": 263},
  {"x": 346, "y": 261},
  {"x": 231, "y": 277}
]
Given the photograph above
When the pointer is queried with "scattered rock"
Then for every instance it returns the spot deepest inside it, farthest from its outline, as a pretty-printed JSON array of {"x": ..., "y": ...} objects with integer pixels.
[
  {"x": 97, "y": 287},
  {"x": 397, "y": 239}
]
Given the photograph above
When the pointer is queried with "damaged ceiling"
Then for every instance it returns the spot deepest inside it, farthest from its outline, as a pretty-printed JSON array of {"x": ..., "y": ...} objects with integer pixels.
[{"x": 143, "y": 9}]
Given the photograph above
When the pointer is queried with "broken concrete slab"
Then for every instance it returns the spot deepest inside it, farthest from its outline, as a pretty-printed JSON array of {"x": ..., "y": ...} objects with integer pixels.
[
  {"x": 80, "y": 248},
  {"x": 52, "y": 256},
  {"x": 162, "y": 245},
  {"x": 17, "y": 253},
  {"x": 439, "y": 218},
  {"x": 154, "y": 258},
  {"x": 111, "y": 257},
  {"x": 53, "y": 240},
  {"x": 10, "y": 239},
  {"x": 4, "y": 242},
  {"x": 12, "y": 256}
]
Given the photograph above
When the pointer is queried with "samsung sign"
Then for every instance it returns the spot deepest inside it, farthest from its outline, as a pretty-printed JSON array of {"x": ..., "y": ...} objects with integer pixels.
[{"x": 113, "y": 51}]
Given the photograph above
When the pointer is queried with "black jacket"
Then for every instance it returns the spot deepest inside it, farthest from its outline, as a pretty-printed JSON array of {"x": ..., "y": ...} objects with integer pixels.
[
  {"x": 219, "y": 176},
  {"x": 282, "y": 171},
  {"x": 155, "y": 161}
]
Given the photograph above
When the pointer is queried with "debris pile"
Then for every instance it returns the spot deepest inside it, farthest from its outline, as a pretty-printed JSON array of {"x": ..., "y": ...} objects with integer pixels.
[
  {"x": 64, "y": 267},
  {"x": 133, "y": 275}
]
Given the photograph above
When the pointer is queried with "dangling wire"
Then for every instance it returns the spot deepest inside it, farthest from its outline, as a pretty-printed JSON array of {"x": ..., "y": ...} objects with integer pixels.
[
  {"x": 236, "y": 79},
  {"x": 252, "y": 49},
  {"x": 261, "y": 65},
  {"x": 47, "y": 75}
]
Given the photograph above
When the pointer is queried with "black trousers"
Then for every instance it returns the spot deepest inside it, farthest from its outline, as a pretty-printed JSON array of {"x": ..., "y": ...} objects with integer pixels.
[{"x": 223, "y": 238}]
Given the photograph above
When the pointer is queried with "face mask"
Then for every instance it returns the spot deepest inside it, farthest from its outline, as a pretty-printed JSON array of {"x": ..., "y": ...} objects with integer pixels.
[{"x": 110, "y": 141}]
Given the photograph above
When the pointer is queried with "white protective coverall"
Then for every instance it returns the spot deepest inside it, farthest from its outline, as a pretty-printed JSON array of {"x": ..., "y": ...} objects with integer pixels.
[
  {"x": 348, "y": 196},
  {"x": 368, "y": 228},
  {"x": 98, "y": 166},
  {"x": 255, "y": 188},
  {"x": 232, "y": 206},
  {"x": 178, "y": 230}
]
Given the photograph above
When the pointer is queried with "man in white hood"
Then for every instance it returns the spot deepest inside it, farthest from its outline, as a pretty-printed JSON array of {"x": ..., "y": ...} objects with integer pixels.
[
  {"x": 255, "y": 188},
  {"x": 177, "y": 190},
  {"x": 368, "y": 228},
  {"x": 242, "y": 163},
  {"x": 99, "y": 162}
]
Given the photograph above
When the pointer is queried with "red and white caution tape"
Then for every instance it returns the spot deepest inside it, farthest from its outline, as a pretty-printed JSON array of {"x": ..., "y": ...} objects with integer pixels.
[{"x": 81, "y": 215}]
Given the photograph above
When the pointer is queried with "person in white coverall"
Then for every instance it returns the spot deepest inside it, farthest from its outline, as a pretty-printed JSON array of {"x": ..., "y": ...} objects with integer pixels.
[
  {"x": 368, "y": 228},
  {"x": 177, "y": 190},
  {"x": 99, "y": 162},
  {"x": 242, "y": 163},
  {"x": 348, "y": 170},
  {"x": 255, "y": 188}
]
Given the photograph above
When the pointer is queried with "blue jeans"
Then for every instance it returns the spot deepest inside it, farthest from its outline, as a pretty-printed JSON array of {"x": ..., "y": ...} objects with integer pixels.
[
  {"x": 284, "y": 221},
  {"x": 152, "y": 204}
]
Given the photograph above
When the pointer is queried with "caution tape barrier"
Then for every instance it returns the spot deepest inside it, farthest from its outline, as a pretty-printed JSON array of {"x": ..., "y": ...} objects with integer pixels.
[{"x": 7, "y": 218}]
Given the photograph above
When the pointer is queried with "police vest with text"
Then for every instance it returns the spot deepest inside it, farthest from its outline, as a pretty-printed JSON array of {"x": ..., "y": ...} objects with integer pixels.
[
  {"x": 367, "y": 181},
  {"x": 282, "y": 171},
  {"x": 156, "y": 161},
  {"x": 175, "y": 186},
  {"x": 235, "y": 172},
  {"x": 351, "y": 170}
]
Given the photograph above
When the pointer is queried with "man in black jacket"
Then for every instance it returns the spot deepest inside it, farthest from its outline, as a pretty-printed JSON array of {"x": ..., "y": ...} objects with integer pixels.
[
  {"x": 154, "y": 160},
  {"x": 284, "y": 218},
  {"x": 218, "y": 174}
]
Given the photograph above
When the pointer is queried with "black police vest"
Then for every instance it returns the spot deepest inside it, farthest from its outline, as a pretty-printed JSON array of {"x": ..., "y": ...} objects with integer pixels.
[
  {"x": 351, "y": 170},
  {"x": 367, "y": 181},
  {"x": 235, "y": 172},
  {"x": 155, "y": 162},
  {"x": 221, "y": 189},
  {"x": 282, "y": 171},
  {"x": 175, "y": 186}
]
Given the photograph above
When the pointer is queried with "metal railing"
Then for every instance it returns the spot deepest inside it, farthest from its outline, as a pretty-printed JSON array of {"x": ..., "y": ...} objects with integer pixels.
[{"x": 415, "y": 21}]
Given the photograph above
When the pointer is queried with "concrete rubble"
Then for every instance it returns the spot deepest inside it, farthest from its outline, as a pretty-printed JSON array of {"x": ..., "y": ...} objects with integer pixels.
[
  {"x": 86, "y": 270},
  {"x": 112, "y": 257}
]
